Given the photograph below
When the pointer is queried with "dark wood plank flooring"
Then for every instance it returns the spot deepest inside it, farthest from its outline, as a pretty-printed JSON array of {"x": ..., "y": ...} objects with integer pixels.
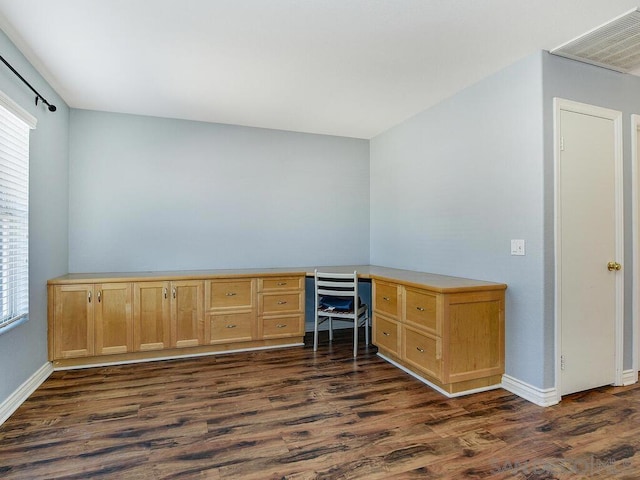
[{"x": 294, "y": 414}]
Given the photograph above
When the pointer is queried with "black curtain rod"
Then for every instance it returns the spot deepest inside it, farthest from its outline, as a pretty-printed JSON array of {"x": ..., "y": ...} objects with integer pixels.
[{"x": 52, "y": 108}]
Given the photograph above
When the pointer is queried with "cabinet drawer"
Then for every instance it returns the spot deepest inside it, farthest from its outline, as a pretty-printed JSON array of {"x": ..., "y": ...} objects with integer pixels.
[
  {"x": 283, "y": 326},
  {"x": 234, "y": 327},
  {"x": 281, "y": 302},
  {"x": 386, "y": 334},
  {"x": 280, "y": 283},
  {"x": 420, "y": 308},
  {"x": 386, "y": 298},
  {"x": 422, "y": 350},
  {"x": 229, "y": 293}
]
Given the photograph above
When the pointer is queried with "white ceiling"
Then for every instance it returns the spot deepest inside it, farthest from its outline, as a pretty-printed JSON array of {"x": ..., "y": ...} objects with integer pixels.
[{"x": 342, "y": 67}]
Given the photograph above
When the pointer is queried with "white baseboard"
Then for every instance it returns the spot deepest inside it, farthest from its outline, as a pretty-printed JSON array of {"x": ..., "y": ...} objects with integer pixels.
[
  {"x": 173, "y": 357},
  {"x": 436, "y": 387},
  {"x": 18, "y": 397},
  {"x": 629, "y": 377},
  {"x": 543, "y": 397}
]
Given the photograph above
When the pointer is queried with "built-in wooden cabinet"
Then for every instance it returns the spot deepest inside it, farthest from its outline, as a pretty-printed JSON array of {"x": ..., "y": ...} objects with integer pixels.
[
  {"x": 187, "y": 321},
  {"x": 168, "y": 314},
  {"x": 151, "y": 316},
  {"x": 281, "y": 307},
  {"x": 92, "y": 319},
  {"x": 452, "y": 338},
  {"x": 447, "y": 331},
  {"x": 133, "y": 318},
  {"x": 73, "y": 316},
  {"x": 386, "y": 316},
  {"x": 230, "y": 310},
  {"x": 113, "y": 318}
]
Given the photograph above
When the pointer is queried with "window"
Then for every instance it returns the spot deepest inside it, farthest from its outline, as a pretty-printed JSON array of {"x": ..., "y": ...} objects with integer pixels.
[{"x": 15, "y": 124}]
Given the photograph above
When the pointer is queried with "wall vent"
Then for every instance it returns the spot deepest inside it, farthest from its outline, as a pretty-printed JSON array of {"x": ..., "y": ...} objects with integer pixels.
[{"x": 614, "y": 45}]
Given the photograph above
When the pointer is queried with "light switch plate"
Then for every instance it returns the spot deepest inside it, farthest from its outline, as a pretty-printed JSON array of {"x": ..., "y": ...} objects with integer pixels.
[{"x": 517, "y": 247}]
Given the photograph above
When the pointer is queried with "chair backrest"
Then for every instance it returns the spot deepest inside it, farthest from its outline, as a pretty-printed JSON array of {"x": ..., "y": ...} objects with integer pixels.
[{"x": 343, "y": 285}]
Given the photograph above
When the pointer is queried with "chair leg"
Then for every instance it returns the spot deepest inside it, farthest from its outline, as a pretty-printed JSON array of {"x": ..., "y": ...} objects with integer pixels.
[
  {"x": 355, "y": 336},
  {"x": 331, "y": 329},
  {"x": 315, "y": 333},
  {"x": 366, "y": 326}
]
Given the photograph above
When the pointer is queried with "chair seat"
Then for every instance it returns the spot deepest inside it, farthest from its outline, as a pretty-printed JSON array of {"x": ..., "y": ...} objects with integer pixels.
[
  {"x": 341, "y": 313},
  {"x": 344, "y": 304}
]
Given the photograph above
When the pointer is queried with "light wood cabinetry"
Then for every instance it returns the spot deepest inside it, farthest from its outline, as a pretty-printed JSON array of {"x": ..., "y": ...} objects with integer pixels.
[
  {"x": 451, "y": 337},
  {"x": 91, "y": 319},
  {"x": 133, "y": 318},
  {"x": 230, "y": 310},
  {"x": 447, "y": 331},
  {"x": 281, "y": 307},
  {"x": 386, "y": 334},
  {"x": 73, "y": 319},
  {"x": 151, "y": 316},
  {"x": 187, "y": 321},
  {"x": 168, "y": 314},
  {"x": 386, "y": 316},
  {"x": 113, "y": 318}
]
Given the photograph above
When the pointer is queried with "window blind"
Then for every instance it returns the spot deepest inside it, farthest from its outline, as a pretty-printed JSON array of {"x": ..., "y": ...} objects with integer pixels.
[{"x": 14, "y": 218}]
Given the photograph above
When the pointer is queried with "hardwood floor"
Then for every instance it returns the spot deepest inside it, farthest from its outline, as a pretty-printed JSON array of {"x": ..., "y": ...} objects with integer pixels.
[{"x": 298, "y": 415}]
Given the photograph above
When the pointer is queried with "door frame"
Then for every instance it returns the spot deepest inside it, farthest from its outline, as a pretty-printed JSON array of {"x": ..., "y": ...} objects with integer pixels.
[
  {"x": 560, "y": 104},
  {"x": 635, "y": 249}
]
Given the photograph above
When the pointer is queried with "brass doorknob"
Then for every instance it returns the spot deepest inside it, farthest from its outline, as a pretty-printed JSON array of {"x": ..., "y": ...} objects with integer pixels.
[{"x": 611, "y": 266}]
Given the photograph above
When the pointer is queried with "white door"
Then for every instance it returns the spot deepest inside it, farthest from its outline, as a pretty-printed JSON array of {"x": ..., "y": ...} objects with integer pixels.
[{"x": 589, "y": 234}]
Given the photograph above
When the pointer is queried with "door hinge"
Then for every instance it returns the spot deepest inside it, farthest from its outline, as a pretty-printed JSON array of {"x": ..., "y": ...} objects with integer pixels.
[
  {"x": 561, "y": 362},
  {"x": 562, "y": 144}
]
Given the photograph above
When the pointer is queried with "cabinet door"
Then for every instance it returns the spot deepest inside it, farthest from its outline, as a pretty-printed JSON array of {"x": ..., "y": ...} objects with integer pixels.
[
  {"x": 73, "y": 321},
  {"x": 151, "y": 316},
  {"x": 187, "y": 321},
  {"x": 114, "y": 319}
]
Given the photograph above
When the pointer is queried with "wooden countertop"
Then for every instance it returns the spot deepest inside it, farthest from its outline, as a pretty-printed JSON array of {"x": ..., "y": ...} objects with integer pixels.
[
  {"x": 430, "y": 281},
  {"x": 174, "y": 275}
]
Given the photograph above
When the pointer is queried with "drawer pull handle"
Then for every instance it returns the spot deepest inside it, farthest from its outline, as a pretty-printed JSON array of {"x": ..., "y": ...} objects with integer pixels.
[
  {"x": 421, "y": 350},
  {"x": 231, "y": 326},
  {"x": 99, "y": 296},
  {"x": 386, "y": 334},
  {"x": 174, "y": 292},
  {"x": 282, "y": 302},
  {"x": 165, "y": 293},
  {"x": 281, "y": 325},
  {"x": 230, "y": 294},
  {"x": 421, "y": 309},
  {"x": 89, "y": 297},
  {"x": 282, "y": 284},
  {"x": 386, "y": 299}
]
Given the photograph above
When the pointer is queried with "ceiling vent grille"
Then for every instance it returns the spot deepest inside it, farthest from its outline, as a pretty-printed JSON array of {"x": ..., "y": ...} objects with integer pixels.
[{"x": 614, "y": 45}]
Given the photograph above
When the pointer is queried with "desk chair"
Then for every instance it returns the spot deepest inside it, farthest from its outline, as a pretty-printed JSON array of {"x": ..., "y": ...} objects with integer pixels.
[{"x": 337, "y": 297}]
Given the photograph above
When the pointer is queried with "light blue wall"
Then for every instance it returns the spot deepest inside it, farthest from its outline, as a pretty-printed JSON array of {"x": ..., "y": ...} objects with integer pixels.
[
  {"x": 584, "y": 83},
  {"x": 453, "y": 185},
  {"x": 23, "y": 349},
  {"x": 157, "y": 194}
]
